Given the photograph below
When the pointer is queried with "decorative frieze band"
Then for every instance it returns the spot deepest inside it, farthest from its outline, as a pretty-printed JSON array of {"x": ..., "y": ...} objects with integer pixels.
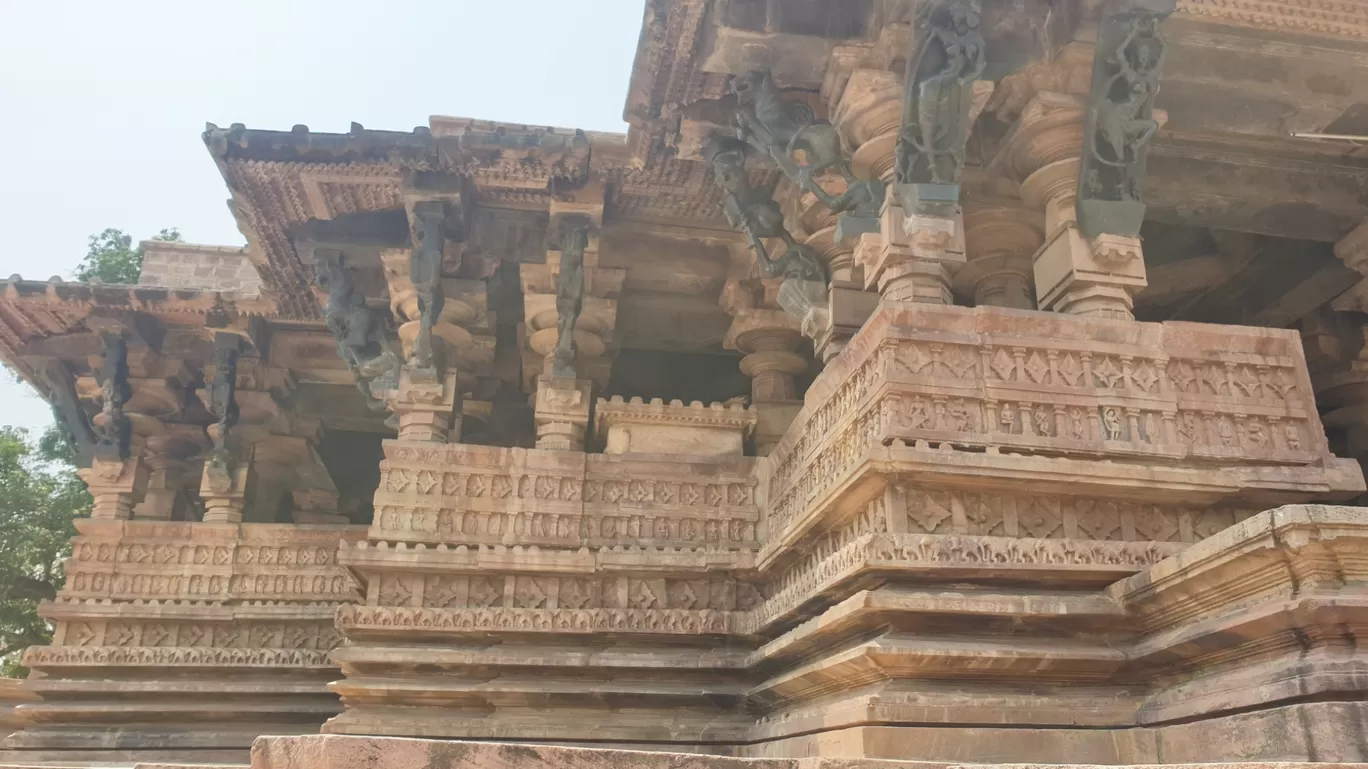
[{"x": 465, "y": 494}]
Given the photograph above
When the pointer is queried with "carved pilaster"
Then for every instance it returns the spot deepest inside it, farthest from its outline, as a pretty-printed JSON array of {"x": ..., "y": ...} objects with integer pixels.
[
  {"x": 562, "y": 412},
  {"x": 116, "y": 485}
]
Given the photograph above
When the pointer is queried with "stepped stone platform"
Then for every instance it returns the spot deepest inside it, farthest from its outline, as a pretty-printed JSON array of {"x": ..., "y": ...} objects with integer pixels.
[{"x": 346, "y": 752}]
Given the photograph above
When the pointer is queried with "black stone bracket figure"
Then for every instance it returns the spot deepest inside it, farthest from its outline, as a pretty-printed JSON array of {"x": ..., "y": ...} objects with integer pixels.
[
  {"x": 223, "y": 399},
  {"x": 425, "y": 270},
  {"x": 948, "y": 56},
  {"x": 755, "y": 213},
  {"x": 1120, "y": 121},
  {"x": 115, "y": 431},
  {"x": 359, "y": 331},
  {"x": 71, "y": 419},
  {"x": 780, "y": 129},
  {"x": 574, "y": 239}
]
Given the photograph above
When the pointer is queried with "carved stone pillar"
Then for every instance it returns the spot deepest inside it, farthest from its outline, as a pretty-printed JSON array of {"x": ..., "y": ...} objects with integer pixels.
[
  {"x": 165, "y": 485},
  {"x": 224, "y": 486},
  {"x": 1073, "y": 275},
  {"x": 562, "y": 412},
  {"x": 572, "y": 278},
  {"x": 770, "y": 340},
  {"x": 913, "y": 258},
  {"x": 115, "y": 484},
  {"x": 1000, "y": 243},
  {"x": 425, "y": 410}
]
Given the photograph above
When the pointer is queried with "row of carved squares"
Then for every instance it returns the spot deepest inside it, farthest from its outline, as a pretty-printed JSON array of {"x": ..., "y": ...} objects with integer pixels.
[
  {"x": 549, "y": 592},
  {"x": 398, "y": 479},
  {"x": 1095, "y": 371},
  {"x": 191, "y": 554}
]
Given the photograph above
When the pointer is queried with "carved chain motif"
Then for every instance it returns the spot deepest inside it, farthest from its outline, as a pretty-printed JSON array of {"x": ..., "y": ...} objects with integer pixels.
[{"x": 529, "y": 620}]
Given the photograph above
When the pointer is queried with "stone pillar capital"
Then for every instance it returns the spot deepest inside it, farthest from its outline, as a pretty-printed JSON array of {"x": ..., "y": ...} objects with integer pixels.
[
  {"x": 913, "y": 257},
  {"x": 427, "y": 407}
]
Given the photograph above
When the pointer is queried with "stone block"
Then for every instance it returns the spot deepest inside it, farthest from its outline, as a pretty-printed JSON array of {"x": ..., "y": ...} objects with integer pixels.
[{"x": 709, "y": 432}]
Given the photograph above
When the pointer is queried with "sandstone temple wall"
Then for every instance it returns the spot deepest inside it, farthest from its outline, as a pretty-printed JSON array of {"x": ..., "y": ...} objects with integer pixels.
[{"x": 191, "y": 265}]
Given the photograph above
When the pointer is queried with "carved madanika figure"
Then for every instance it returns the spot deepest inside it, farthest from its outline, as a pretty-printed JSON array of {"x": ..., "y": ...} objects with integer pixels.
[
  {"x": 949, "y": 56},
  {"x": 569, "y": 294},
  {"x": 1120, "y": 124}
]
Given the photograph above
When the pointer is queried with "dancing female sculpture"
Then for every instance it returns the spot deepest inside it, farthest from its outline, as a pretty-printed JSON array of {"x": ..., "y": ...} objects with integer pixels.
[{"x": 949, "y": 56}]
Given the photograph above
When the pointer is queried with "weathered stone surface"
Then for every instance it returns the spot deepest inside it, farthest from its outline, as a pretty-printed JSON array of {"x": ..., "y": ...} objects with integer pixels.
[{"x": 902, "y": 529}]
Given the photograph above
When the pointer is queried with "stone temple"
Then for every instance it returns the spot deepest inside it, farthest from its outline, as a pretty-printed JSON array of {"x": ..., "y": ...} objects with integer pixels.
[{"x": 955, "y": 381}]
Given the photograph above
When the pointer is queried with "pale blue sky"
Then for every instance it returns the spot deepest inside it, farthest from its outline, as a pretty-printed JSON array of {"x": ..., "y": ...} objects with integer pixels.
[{"x": 102, "y": 103}]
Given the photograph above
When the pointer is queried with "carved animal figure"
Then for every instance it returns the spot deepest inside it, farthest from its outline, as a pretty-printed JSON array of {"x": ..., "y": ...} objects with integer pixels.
[
  {"x": 779, "y": 129},
  {"x": 755, "y": 213},
  {"x": 359, "y": 333}
]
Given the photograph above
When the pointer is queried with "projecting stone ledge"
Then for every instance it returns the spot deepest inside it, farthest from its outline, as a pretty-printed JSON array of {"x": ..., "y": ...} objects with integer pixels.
[{"x": 342, "y": 752}]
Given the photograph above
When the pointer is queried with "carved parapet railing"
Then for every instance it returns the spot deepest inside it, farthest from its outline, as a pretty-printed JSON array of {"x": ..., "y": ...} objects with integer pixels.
[
  {"x": 1054, "y": 404},
  {"x": 163, "y": 625},
  {"x": 185, "y": 562},
  {"x": 482, "y": 495}
]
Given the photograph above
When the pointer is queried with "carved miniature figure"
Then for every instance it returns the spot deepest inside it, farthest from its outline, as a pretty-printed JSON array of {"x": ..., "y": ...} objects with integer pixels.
[
  {"x": 1111, "y": 423},
  {"x": 569, "y": 294},
  {"x": 425, "y": 270},
  {"x": 949, "y": 56},
  {"x": 1042, "y": 422},
  {"x": 778, "y": 129},
  {"x": 358, "y": 330},
  {"x": 114, "y": 430},
  {"x": 960, "y": 419}
]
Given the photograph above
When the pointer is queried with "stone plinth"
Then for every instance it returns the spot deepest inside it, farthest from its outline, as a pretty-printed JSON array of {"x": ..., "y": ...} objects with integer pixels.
[
  {"x": 637, "y": 427},
  {"x": 190, "y": 638}
]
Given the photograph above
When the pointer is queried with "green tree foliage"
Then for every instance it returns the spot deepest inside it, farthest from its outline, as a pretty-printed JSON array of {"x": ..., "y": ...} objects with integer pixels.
[
  {"x": 40, "y": 496},
  {"x": 111, "y": 257}
]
